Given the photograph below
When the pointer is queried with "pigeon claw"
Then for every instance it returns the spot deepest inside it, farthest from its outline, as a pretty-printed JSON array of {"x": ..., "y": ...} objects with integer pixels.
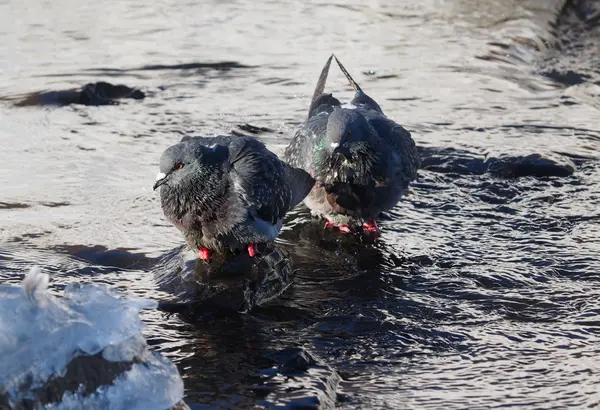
[
  {"x": 371, "y": 227},
  {"x": 252, "y": 250},
  {"x": 204, "y": 254},
  {"x": 342, "y": 228},
  {"x": 345, "y": 228}
]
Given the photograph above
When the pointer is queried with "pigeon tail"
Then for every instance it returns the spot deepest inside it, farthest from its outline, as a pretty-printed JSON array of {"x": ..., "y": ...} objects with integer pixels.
[
  {"x": 360, "y": 97},
  {"x": 353, "y": 83},
  {"x": 320, "y": 99},
  {"x": 301, "y": 183}
]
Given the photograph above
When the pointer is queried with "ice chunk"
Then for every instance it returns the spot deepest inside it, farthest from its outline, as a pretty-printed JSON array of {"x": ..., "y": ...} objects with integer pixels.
[
  {"x": 152, "y": 385},
  {"x": 43, "y": 338},
  {"x": 36, "y": 284}
]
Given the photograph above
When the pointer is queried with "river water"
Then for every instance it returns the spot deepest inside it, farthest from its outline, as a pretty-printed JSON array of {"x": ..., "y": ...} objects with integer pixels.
[{"x": 483, "y": 292}]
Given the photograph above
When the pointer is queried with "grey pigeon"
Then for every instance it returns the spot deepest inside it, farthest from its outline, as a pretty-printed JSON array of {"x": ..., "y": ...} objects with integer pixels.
[
  {"x": 362, "y": 161},
  {"x": 228, "y": 193}
]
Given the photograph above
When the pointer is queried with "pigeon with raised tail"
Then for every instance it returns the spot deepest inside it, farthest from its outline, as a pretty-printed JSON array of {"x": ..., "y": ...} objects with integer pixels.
[
  {"x": 362, "y": 161},
  {"x": 228, "y": 193}
]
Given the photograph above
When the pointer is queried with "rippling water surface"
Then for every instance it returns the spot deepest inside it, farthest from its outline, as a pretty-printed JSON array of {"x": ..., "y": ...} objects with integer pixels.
[{"x": 483, "y": 291}]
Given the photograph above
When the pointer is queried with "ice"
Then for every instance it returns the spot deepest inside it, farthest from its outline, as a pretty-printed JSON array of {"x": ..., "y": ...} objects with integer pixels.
[
  {"x": 145, "y": 386},
  {"x": 41, "y": 334}
]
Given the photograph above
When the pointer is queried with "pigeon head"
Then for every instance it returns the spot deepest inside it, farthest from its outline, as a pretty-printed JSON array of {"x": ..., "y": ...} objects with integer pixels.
[
  {"x": 346, "y": 153},
  {"x": 346, "y": 125},
  {"x": 193, "y": 166}
]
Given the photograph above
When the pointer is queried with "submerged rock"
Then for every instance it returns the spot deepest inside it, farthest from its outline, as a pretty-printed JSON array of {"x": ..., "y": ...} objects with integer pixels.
[
  {"x": 84, "y": 350},
  {"x": 230, "y": 281},
  {"x": 316, "y": 383},
  {"x": 449, "y": 160},
  {"x": 514, "y": 166},
  {"x": 100, "y": 93}
]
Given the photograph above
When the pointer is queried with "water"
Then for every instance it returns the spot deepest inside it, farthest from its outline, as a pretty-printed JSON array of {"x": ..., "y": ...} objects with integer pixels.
[{"x": 483, "y": 292}]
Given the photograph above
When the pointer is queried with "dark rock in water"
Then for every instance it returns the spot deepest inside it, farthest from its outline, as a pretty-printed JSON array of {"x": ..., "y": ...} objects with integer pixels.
[
  {"x": 449, "y": 160},
  {"x": 530, "y": 165},
  {"x": 251, "y": 129},
  {"x": 316, "y": 382},
  {"x": 568, "y": 77},
  {"x": 221, "y": 65},
  {"x": 229, "y": 281},
  {"x": 100, "y": 93},
  {"x": 294, "y": 360}
]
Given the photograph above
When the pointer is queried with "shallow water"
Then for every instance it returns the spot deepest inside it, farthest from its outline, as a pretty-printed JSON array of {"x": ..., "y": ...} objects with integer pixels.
[{"x": 483, "y": 291}]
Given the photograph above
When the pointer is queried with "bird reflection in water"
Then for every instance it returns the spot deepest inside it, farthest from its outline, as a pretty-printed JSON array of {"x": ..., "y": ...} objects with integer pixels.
[
  {"x": 311, "y": 244},
  {"x": 230, "y": 281},
  {"x": 237, "y": 282}
]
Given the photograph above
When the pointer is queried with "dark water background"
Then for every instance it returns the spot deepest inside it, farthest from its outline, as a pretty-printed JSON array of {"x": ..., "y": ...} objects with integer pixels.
[{"x": 483, "y": 292}]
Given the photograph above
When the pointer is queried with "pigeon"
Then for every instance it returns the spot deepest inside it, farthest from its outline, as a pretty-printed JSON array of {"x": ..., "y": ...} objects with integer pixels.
[
  {"x": 362, "y": 161},
  {"x": 228, "y": 193}
]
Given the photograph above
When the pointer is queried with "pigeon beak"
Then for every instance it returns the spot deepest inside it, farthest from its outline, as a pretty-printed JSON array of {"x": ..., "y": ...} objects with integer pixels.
[
  {"x": 161, "y": 178},
  {"x": 344, "y": 152}
]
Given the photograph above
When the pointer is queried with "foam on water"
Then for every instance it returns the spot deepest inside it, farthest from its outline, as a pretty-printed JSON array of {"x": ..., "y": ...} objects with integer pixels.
[{"x": 40, "y": 334}]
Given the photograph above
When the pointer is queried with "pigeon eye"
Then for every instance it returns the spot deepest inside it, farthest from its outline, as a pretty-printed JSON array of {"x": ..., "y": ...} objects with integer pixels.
[{"x": 179, "y": 165}]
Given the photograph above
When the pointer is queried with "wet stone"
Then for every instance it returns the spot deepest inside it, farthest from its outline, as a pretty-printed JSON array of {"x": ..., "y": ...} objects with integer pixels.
[
  {"x": 534, "y": 165},
  {"x": 100, "y": 93},
  {"x": 502, "y": 165},
  {"x": 316, "y": 383}
]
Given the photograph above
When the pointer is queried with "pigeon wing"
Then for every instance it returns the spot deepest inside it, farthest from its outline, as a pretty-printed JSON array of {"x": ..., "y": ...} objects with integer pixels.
[
  {"x": 307, "y": 138},
  {"x": 397, "y": 139},
  {"x": 260, "y": 178}
]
